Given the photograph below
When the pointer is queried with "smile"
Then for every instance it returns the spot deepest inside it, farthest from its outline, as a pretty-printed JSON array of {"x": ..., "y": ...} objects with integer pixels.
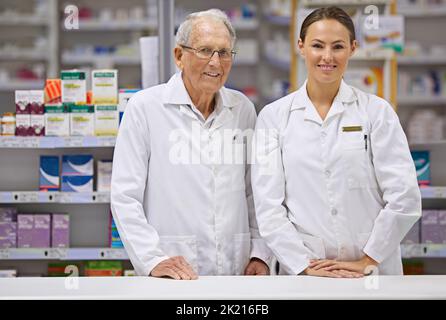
[
  {"x": 211, "y": 74},
  {"x": 326, "y": 67}
]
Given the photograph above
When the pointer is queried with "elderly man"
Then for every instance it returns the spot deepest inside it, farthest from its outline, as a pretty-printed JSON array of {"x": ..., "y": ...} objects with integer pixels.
[{"x": 179, "y": 211}]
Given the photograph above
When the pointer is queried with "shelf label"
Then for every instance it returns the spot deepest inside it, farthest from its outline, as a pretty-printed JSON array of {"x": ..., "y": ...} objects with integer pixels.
[
  {"x": 103, "y": 197},
  {"x": 73, "y": 141},
  {"x": 115, "y": 254},
  {"x": 4, "y": 253},
  {"x": 28, "y": 197},
  {"x": 46, "y": 142},
  {"x": 90, "y": 141},
  {"x": 46, "y": 197},
  {"x": 6, "y": 197}
]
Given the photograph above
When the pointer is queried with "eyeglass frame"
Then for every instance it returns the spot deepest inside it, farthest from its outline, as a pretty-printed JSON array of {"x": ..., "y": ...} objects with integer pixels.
[{"x": 233, "y": 53}]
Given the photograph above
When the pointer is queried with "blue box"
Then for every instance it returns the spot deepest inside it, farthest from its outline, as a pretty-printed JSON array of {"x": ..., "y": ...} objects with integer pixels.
[
  {"x": 77, "y": 183},
  {"x": 423, "y": 166},
  {"x": 49, "y": 173},
  {"x": 77, "y": 165}
]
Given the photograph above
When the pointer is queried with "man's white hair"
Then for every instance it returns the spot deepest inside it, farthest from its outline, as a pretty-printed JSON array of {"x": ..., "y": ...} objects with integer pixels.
[{"x": 185, "y": 29}]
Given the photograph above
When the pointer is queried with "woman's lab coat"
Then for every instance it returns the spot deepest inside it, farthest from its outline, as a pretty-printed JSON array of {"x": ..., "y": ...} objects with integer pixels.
[{"x": 333, "y": 189}]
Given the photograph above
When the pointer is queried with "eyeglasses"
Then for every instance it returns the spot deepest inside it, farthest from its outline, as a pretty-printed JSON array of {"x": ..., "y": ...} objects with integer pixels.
[{"x": 208, "y": 53}]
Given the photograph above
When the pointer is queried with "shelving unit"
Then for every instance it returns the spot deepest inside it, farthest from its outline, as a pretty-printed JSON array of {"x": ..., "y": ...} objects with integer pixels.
[
  {"x": 14, "y": 197},
  {"x": 63, "y": 254}
]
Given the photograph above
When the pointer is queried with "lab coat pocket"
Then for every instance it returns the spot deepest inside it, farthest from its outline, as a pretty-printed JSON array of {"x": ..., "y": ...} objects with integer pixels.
[
  {"x": 356, "y": 166},
  {"x": 315, "y": 244},
  {"x": 242, "y": 249},
  {"x": 185, "y": 246}
]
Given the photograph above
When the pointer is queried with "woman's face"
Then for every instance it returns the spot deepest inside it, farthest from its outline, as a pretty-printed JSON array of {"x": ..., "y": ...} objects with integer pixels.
[{"x": 326, "y": 50}]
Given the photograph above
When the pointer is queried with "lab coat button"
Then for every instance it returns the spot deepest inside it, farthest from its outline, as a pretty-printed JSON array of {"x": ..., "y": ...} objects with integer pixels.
[
  {"x": 334, "y": 212},
  {"x": 327, "y": 173},
  {"x": 323, "y": 134}
]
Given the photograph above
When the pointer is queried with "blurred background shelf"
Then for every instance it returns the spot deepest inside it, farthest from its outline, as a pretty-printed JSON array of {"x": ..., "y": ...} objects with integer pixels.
[
  {"x": 63, "y": 254},
  {"x": 11, "y": 197}
]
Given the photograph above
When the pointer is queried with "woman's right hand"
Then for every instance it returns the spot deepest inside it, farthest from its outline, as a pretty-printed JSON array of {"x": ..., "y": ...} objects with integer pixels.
[{"x": 339, "y": 273}]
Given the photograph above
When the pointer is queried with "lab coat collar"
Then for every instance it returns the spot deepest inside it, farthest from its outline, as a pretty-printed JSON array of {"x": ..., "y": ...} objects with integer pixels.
[
  {"x": 176, "y": 93},
  {"x": 302, "y": 101}
]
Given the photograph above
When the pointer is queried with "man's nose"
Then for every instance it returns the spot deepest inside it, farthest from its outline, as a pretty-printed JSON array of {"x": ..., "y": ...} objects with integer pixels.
[{"x": 215, "y": 58}]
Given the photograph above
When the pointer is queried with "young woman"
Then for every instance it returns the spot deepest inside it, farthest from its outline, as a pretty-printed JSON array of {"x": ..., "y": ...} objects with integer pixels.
[{"x": 334, "y": 183}]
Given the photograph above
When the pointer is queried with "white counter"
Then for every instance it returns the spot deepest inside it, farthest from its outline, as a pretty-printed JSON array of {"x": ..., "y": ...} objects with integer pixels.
[{"x": 224, "y": 288}]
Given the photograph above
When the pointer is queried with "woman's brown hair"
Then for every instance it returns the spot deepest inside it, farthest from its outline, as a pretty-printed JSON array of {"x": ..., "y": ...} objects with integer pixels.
[{"x": 326, "y": 13}]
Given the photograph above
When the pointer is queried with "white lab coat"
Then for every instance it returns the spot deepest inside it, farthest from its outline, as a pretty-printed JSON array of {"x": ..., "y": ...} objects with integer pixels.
[
  {"x": 321, "y": 193},
  {"x": 164, "y": 207}
]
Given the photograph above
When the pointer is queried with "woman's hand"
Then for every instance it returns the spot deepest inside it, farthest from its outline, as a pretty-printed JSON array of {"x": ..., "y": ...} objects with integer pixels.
[
  {"x": 331, "y": 274},
  {"x": 358, "y": 266}
]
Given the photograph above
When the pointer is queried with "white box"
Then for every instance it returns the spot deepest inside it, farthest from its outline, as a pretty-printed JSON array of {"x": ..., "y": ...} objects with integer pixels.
[
  {"x": 104, "y": 84},
  {"x": 57, "y": 121},
  {"x": 104, "y": 171},
  {"x": 38, "y": 124},
  {"x": 106, "y": 120},
  {"x": 74, "y": 86},
  {"x": 82, "y": 120}
]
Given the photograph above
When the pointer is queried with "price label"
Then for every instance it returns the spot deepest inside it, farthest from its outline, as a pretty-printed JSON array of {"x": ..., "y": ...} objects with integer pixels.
[
  {"x": 115, "y": 254},
  {"x": 103, "y": 197},
  {"x": 6, "y": 197},
  {"x": 4, "y": 253},
  {"x": 73, "y": 142}
]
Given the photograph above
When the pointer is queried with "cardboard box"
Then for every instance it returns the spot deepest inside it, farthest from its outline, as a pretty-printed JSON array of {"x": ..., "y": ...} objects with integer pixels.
[
  {"x": 74, "y": 86},
  {"x": 104, "y": 85},
  {"x": 25, "y": 229},
  {"x": 49, "y": 173},
  {"x": 81, "y": 120},
  {"x": 60, "y": 230},
  {"x": 41, "y": 231},
  {"x": 106, "y": 120},
  {"x": 57, "y": 121}
]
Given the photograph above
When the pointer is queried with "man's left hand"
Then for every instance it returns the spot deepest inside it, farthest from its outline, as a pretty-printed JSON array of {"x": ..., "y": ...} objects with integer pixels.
[{"x": 256, "y": 267}]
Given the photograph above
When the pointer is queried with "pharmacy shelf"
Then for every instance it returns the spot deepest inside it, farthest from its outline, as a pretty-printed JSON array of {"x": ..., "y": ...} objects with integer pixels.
[
  {"x": 423, "y": 12},
  {"x": 63, "y": 254},
  {"x": 98, "y": 25},
  {"x": 23, "y": 20},
  {"x": 421, "y": 101},
  {"x": 24, "y": 55},
  {"x": 433, "y": 192},
  {"x": 373, "y": 54},
  {"x": 11, "y": 197},
  {"x": 423, "y": 250},
  {"x": 278, "y": 63},
  {"x": 318, "y": 3},
  {"x": 15, "y": 142},
  {"x": 423, "y": 145},
  {"x": 245, "y": 24},
  {"x": 278, "y": 20},
  {"x": 421, "y": 60},
  {"x": 75, "y": 59},
  {"x": 12, "y": 85}
]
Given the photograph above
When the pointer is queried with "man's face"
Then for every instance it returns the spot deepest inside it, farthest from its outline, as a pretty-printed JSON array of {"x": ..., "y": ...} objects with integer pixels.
[{"x": 205, "y": 76}]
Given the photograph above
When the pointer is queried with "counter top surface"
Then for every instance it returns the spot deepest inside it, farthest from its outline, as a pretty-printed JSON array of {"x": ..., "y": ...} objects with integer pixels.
[{"x": 225, "y": 287}]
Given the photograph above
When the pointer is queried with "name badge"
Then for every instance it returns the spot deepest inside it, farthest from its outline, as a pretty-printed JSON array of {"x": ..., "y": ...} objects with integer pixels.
[{"x": 352, "y": 129}]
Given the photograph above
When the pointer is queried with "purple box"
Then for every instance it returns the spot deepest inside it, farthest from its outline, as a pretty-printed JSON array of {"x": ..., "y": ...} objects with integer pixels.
[
  {"x": 413, "y": 236},
  {"x": 8, "y": 214},
  {"x": 25, "y": 227},
  {"x": 442, "y": 226},
  {"x": 430, "y": 229},
  {"x": 8, "y": 229},
  {"x": 60, "y": 235},
  {"x": 41, "y": 231},
  {"x": 6, "y": 243}
]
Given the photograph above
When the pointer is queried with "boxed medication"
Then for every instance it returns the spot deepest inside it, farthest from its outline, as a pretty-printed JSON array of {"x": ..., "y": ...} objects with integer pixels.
[
  {"x": 103, "y": 268},
  {"x": 77, "y": 165},
  {"x": 22, "y": 102},
  {"x": 8, "y": 214},
  {"x": 81, "y": 120},
  {"x": 430, "y": 228},
  {"x": 74, "y": 86},
  {"x": 57, "y": 120},
  {"x": 115, "y": 239},
  {"x": 422, "y": 166},
  {"x": 23, "y": 125},
  {"x": 104, "y": 172},
  {"x": 49, "y": 173},
  {"x": 37, "y": 110},
  {"x": 8, "y": 124},
  {"x": 124, "y": 97},
  {"x": 442, "y": 226},
  {"x": 77, "y": 183},
  {"x": 53, "y": 91},
  {"x": 25, "y": 227},
  {"x": 106, "y": 120},
  {"x": 60, "y": 230},
  {"x": 41, "y": 231},
  {"x": 105, "y": 86},
  {"x": 8, "y": 235}
]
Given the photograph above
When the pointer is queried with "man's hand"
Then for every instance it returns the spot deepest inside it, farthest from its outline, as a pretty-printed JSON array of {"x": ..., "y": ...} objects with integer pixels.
[
  {"x": 256, "y": 267},
  {"x": 175, "y": 267},
  {"x": 358, "y": 266}
]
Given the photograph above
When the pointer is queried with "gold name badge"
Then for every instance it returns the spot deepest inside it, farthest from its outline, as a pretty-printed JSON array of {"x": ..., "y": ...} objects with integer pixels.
[{"x": 352, "y": 129}]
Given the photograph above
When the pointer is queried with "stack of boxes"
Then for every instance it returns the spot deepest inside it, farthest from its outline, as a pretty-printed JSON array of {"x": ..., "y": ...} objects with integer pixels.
[
  {"x": 30, "y": 120},
  {"x": 115, "y": 239},
  {"x": 49, "y": 173},
  {"x": 8, "y": 228},
  {"x": 25, "y": 230},
  {"x": 105, "y": 98},
  {"x": 430, "y": 229},
  {"x": 77, "y": 173}
]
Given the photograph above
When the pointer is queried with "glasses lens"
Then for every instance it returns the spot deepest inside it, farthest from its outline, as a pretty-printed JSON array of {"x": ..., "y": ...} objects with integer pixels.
[{"x": 204, "y": 53}]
